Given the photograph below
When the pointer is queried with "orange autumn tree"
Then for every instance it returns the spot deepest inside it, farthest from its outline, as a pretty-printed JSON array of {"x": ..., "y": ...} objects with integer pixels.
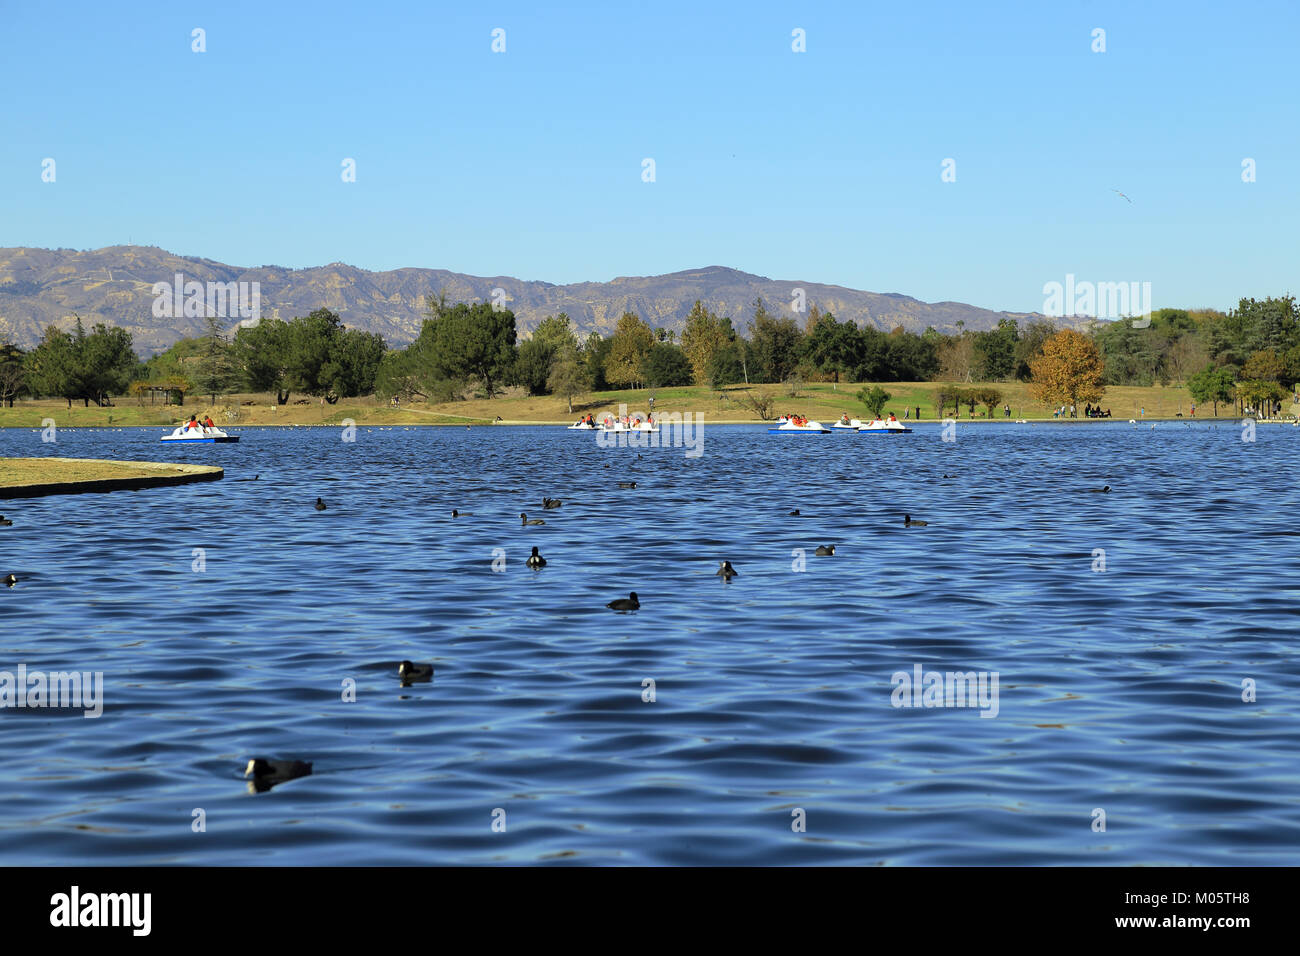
[{"x": 1068, "y": 372}]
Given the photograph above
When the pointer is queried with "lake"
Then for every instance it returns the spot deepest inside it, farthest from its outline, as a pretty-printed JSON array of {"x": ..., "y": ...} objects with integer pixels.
[{"x": 230, "y": 620}]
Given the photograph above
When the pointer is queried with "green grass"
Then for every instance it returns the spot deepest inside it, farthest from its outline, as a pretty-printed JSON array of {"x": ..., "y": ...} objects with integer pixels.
[
  {"x": 823, "y": 401},
  {"x": 16, "y": 472}
]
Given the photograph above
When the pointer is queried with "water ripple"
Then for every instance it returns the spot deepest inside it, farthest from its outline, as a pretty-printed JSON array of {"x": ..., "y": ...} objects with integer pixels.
[{"x": 1119, "y": 689}]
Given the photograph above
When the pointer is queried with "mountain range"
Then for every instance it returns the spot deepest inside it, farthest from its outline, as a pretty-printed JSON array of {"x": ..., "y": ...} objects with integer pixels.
[{"x": 114, "y": 285}]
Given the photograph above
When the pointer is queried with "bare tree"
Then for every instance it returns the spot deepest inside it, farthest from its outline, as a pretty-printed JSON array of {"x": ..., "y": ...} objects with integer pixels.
[
  {"x": 761, "y": 403},
  {"x": 957, "y": 358}
]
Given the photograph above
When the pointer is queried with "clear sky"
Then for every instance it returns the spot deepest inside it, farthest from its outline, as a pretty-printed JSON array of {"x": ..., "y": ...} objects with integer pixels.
[{"x": 822, "y": 166}]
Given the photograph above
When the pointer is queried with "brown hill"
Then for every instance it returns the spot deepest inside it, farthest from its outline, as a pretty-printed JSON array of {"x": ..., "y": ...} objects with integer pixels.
[{"x": 42, "y": 287}]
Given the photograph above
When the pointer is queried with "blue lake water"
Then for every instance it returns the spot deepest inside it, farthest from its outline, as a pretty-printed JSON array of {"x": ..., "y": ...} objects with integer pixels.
[{"x": 1119, "y": 690}]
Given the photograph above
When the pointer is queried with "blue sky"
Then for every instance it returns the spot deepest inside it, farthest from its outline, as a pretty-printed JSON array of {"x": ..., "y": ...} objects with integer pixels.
[{"x": 821, "y": 166}]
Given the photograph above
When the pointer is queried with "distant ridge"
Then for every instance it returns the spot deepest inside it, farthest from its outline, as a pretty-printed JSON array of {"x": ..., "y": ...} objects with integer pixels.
[{"x": 42, "y": 287}]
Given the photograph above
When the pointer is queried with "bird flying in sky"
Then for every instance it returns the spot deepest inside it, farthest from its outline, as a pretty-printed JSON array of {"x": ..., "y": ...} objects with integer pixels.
[{"x": 1121, "y": 194}]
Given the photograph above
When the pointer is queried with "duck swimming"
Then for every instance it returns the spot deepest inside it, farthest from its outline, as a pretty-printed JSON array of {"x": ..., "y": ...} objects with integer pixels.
[
  {"x": 825, "y": 550},
  {"x": 411, "y": 673},
  {"x": 461, "y": 514},
  {"x": 1104, "y": 490},
  {"x": 10, "y": 580},
  {"x": 726, "y": 570},
  {"x": 551, "y": 503},
  {"x": 268, "y": 773},
  {"x": 535, "y": 560},
  {"x": 524, "y": 519},
  {"x": 909, "y": 523},
  {"x": 794, "y": 514},
  {"x": 5, "y": 522},
  {"x": 320, "y": 505},
  {"x": 627, "y": 484},
  {"x": 629, "y": 603}
]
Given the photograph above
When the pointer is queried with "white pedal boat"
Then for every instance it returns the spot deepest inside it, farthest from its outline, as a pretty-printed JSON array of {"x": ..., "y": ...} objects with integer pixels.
[
  {"x": 582, "y": 427},
  {"x": 621, "y": 427},
  {"x": 808, "y": 428},
  {"x": 852, "y": 425},
  {"x": 879, "y": 427},
  {"x": 200, "y": 434}
]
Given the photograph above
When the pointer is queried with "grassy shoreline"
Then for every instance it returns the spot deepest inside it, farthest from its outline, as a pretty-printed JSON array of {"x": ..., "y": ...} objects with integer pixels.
[
  {"x": 823, "y": 401},
  {"x": 33, "y": 477}
]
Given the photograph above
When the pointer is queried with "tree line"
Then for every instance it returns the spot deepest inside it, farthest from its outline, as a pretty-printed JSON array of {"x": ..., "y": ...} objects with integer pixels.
[
  {"x": 77, "y": 365},
  {"x": 1247, "y": 354},
  {"x": 479, "y": 343},
  {"x": 314, "y": 355}
]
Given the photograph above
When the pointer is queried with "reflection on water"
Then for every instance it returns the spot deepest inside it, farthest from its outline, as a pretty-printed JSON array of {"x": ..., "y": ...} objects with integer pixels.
[{"x": 232, "y": 620}]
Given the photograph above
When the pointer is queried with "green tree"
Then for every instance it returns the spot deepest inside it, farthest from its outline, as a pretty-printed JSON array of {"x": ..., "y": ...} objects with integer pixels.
[
  {"x": 725, "y": 366},
  {"x": 556, "y": 331},
  {"x": 775, "y": 344},
  {"x": 398, "y": 376},
  {"x": 1269, "y": 324},
  {"x": 1212, "y": 385},
  {"x": 537, "y": 354},
  {"x": 1291, "y": 359},
  {"x": 989, "y": 397},
  {"x": 108, "y": 362},
  {"x": 53, "y": 367},
  {"x": 909, "y": 357},
  {"x": 356, "y": 356},
  {"x": 533, "y": 364},
  {"x": 705, "y": 333},
  {"x": 595, "y": 351},
  {"x": 873, "y": 364},
  {"x": 874, "y": 398},
  {"x": 310, "y": 349},
  {"x": 666, "y": 366},
  {"x": 995, "y": 351},
  {"x": 834, "y": 348},
  {"x": 469, "y": 341},
  {"x": 262, "y": 354},
  {"x": 630, "y": 344},
  {"x": 13, "y": 374},
  {"x": 1030, "y": 345},
  {"x": 570, "y": 375},
  {"x": 217, "y": 370}
]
